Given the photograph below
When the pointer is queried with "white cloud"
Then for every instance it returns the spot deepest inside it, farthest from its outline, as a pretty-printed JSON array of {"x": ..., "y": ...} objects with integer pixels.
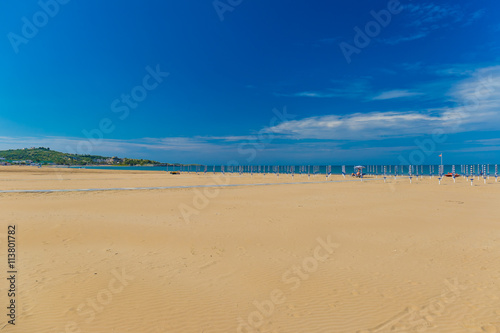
[
  {"x": 477, "y": 100},
  {"x": 395, "y": 94},
  {"x": 366, "y": 126},
  {"x": 481, "y": 87}
]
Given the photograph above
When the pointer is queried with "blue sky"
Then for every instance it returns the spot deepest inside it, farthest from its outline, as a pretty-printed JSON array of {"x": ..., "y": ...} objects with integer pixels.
[{"x": 323, "y": 82}]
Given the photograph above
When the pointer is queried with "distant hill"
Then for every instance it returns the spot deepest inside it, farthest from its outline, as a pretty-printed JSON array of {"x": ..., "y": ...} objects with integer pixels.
[{"x": 47, "y": 156}]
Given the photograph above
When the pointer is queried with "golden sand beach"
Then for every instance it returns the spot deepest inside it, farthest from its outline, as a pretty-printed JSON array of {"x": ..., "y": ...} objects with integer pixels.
[{"x": 314, "y": 256}]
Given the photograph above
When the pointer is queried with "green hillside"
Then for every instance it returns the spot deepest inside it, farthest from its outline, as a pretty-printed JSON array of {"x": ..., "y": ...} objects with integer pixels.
[{"x": 45, "y": 156}]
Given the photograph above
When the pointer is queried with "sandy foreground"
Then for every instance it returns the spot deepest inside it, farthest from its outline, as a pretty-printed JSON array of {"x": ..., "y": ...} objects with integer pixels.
[{"x": 326, "y": 256}]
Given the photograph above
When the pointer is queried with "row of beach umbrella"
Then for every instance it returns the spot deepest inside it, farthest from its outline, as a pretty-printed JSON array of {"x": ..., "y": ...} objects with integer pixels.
[{"x": 467, "y": 171}]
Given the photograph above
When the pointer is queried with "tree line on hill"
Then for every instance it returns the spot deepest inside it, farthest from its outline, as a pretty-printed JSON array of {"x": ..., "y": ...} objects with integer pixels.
[{"x": 43, "y": 155}]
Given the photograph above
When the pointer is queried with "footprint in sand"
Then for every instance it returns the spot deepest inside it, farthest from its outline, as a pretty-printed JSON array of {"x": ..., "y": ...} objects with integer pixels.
[
  {"x": 242, "y": 251},
  {"x": 489, "y": 329}
]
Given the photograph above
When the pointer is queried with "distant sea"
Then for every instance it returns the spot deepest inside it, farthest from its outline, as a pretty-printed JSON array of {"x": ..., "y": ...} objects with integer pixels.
[{"x": 298, "y": 169}]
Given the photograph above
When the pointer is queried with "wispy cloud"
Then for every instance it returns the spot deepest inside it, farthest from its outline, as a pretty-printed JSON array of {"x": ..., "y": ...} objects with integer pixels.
[
  {"x": 455, "y": 70},
  {"x": 366, "y": 126},
  {"x": 329, "y": 41},
  {"x": 400, "y": 39},
  {"x": 415, "y": 66},
  {"x": 486, "y": 142},
  {"x": 424, "y": 18},
  {"x": 392, "y": 94},
  {"x": 314, "y": 94},
  {"x": 475, "y": 16},
  {"x": 483, "y": 87},
  {"x": 102, "y": 146},
  {"x": 342, "y": 89},
  {"x": 476, "y": 107},
  {"x": 426, "y": 14}
]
